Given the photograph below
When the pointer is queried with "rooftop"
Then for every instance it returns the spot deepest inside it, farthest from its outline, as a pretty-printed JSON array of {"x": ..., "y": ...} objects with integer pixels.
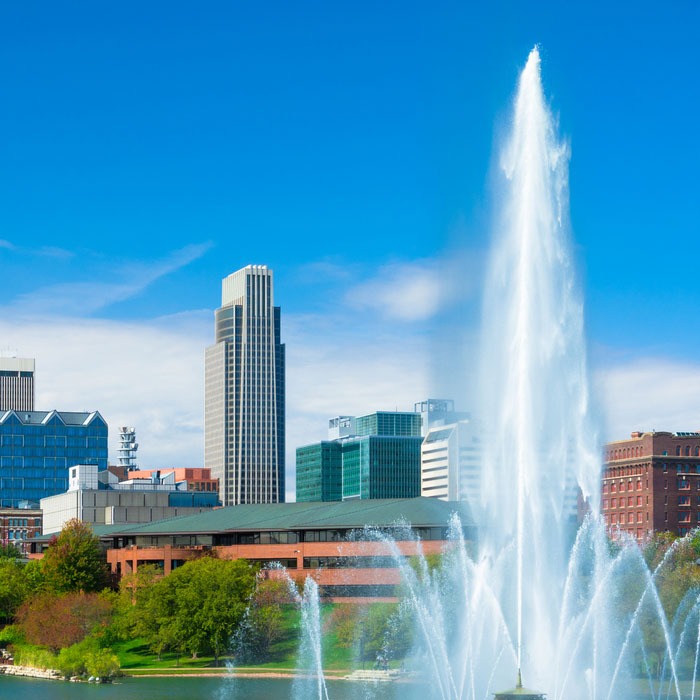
[
  {"x": 418, "y": 512},
  {"x": 43, "y": 417}
]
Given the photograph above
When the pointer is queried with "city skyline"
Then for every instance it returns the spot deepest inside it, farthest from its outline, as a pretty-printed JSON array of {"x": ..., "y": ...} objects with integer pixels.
[{"x": 352, "y": 152}]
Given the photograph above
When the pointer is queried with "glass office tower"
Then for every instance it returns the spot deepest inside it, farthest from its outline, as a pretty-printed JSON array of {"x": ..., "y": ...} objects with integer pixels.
[
  {"x": 244, "y": 392},
  {"x": 381, "y": 460},
  {"x": 38, "y": 447}
]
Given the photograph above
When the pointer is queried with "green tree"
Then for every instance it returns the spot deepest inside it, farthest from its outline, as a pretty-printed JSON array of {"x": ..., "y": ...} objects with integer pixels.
[
  {"x": 265, "y": 624},
  {"x": 131, "y": 603},
  {"x": 13, "y": 588},
  {"x": 102, "y": 663},
  {"x": 74, "y": 560},
  {"x": 34, "y": 576},
  {"x": 376, "y": 629},
  {"x": 87, "y": 658},
  {"x": 219, "y": 591},
  {"x": 9, "y": 551},
  {"x": 197, "y": 607}
]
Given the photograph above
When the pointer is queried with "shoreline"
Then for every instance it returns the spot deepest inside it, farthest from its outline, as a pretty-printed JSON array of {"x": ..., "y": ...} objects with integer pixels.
[
  {"x": 30, "y": 672},
  {"x": 223, "y": 672}
]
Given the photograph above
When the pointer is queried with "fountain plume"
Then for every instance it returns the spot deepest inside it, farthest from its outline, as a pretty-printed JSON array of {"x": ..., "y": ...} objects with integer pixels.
[{"x": 540, "y": 440}]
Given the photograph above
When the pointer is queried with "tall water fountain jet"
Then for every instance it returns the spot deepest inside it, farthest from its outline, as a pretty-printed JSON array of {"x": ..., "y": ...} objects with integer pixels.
[{"x": 539, "y": 442}]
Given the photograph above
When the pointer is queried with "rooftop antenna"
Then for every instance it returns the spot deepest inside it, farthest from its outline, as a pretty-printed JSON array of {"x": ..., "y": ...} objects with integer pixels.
[{"x": 127, "y": 448}]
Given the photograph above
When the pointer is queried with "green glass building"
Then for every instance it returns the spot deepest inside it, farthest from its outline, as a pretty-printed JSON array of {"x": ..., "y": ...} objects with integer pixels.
[
  {"x": 320, "y": 472},
  {"x": 382, "y": 460},
  {"x": 393, "y": 423}
]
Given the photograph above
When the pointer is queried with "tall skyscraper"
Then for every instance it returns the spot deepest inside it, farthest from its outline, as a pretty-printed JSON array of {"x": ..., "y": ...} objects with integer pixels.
[
  {"x": 16, "y": 384},
  {"x": 244, "y": 398}
]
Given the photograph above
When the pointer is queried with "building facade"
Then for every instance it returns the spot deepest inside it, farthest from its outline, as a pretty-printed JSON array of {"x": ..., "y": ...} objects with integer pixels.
[
  {"x": 651, "y": 482},
  {"x": 16, "y": 384},
  {"x": 244, "y": 408},
  {"x": 320, "y": 472},
  {"x": 18, "y": 526},
  {"x": 328, "y": 541},
  {"x": 451, "y": 462},
  {"x": 37, "y": 448},
  {"x": 382, "y": 460}
]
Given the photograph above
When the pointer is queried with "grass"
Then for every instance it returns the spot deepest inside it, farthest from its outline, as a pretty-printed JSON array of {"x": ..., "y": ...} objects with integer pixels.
[
  {"x": 135, "y": 655},
  {"x": 137, "y": 659}
]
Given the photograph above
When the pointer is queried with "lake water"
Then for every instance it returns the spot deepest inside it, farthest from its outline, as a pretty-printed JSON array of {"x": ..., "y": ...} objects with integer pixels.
[
  {"x": 190, "y": 689},
  {"x": 214, "y": 689}
]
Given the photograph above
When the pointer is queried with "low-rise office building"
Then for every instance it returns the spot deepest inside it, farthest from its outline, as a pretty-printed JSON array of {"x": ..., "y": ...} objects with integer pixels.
[
  {"x": 335, "y": 543},
  {"x": 100, "y": 499}
]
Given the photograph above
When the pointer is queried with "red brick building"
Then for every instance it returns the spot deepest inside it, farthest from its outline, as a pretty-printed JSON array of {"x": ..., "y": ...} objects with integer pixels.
[
  {"x": 651, "y": 482},
  {"x": 18, "y": 526},
  {"x": 327, "y": 541}
]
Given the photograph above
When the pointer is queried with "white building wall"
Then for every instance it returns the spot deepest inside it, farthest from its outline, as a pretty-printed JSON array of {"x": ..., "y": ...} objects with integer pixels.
[
  {"x": 102, "y": 507},
  {"x": 59, "y": 509},
  {"x": 451, "y": 463}
]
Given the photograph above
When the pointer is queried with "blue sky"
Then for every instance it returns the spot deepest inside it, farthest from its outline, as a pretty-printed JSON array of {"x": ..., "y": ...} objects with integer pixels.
[{"x": 149, "y": 149}]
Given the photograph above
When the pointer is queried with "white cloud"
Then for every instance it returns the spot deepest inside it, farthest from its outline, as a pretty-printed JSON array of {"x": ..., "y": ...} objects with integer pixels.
[
  {"x": 149, "y": 375},
  {"x": 403, "y": 291},
  {"x": 419, "y": 290},
  {"x": 46, "y": 251},
  {"x": 85, "y": 298},
  {"x": 649, "y": 394}
]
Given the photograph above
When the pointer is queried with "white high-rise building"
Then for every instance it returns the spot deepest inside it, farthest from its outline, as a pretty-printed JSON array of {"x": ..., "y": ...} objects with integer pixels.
[
  {"x": 451, "y": 463},
  {"x": 16, "y": 384},
  {"x": 244, "y": 404}
]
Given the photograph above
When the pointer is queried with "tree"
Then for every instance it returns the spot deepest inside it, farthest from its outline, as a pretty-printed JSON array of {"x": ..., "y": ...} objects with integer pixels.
[
  {"x": 378, "y": 629},
  {"x": 59, "y": 621},
  {"x": 9, "y": 551},
  {"x": 13, "y": 588},
  {"x": 87, "y": 658},
  {"x": 197, "y": 607},
  {"x": 216, "y": 601},
  {"x": 265, "y": 621},
  {"x": 34, "y": 576},
  {"x": 130, "y": 601},
  {"x": 74, "y": 560}
]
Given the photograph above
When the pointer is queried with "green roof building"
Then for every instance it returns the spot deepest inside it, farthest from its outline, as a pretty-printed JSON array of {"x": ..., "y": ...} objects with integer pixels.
[{"x": 381, "y": 460}]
